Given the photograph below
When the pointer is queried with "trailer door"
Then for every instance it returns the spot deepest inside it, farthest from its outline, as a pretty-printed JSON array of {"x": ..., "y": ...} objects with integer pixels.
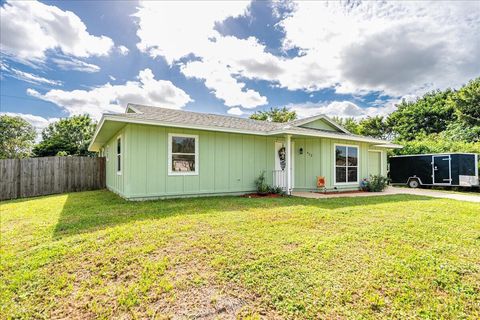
[{"x": 441, "y": 170}]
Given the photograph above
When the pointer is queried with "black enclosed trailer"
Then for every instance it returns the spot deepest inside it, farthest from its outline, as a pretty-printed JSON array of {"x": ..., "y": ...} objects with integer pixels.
[{"x": 442, "y": 169}]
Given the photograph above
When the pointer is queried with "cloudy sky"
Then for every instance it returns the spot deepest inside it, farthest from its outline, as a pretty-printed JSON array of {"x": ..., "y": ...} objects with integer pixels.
[{"x": 339, "y": 58}]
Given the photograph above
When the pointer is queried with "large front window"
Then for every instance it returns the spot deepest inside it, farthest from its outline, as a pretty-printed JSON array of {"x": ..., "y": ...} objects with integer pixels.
[
  {"x": 183, "y": 154},
  {"x": 346, "y": 164}
]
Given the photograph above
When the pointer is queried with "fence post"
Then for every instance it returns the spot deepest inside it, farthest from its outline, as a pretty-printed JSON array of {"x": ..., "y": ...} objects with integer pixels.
[{"x": 18, "y": 178}]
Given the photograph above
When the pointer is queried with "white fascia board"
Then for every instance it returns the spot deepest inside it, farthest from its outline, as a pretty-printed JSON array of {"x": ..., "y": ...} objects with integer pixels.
[
  {"x": 231, "y": 130},
  {"x": 97, "y": 130},
  {"x": 389, "y": 146},
  {"x": 324, "y": 134},
  {"x": 129, "y": 106}
]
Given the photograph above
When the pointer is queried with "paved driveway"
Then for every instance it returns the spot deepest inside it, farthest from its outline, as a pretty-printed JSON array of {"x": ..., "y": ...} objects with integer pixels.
[
  {"x": 474, "y": 197},
  {"x": 396, "y": 190}
]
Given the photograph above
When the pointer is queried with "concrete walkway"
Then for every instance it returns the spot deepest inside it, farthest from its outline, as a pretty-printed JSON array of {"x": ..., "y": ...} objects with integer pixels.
[{"x": 395, "y": 190}]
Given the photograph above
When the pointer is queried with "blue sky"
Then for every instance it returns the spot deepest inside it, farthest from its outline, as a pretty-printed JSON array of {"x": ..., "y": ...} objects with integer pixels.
[{"x": 341, "y": 58}]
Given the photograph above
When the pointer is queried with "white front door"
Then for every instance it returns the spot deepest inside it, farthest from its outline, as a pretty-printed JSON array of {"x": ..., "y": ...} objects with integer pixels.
[{"x": 280, "y": 172}]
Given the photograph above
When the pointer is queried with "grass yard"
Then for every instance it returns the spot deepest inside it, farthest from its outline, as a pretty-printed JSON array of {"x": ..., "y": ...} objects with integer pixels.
[{"x": 94, "y": 255}]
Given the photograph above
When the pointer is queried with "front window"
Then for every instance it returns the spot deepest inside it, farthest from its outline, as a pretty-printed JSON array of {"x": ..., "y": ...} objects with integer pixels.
[
  {"x": 119, "y": 155},
  {"x": 346, "y": 164},
  {"x": 183, "y": 154}
]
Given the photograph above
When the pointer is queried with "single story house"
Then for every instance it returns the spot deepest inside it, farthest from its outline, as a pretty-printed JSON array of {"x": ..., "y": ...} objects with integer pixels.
[{"x": 154, "y": 152}]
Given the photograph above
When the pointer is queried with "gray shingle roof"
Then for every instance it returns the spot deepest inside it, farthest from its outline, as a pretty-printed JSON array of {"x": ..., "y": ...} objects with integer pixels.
[
  {"x": 219, "y": 122},
  {"x": 202, "y": 119}
]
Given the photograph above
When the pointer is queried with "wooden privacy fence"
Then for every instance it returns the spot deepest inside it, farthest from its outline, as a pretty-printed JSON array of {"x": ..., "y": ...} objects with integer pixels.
[{"x": 30, "y": 177}]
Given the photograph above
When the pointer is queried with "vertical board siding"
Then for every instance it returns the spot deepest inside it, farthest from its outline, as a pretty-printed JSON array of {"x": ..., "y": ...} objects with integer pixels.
[
  {"x": 31, "y": 177},
  {"x": 114, "y": 180},
  {"x": 318, "y": 160},
  {"x": 227, "y": 163}
]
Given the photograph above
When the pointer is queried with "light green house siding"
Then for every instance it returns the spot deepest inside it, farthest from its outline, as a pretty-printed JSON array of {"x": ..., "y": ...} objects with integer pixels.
[
  {"x": 228, "y": 163},
  {"x": 114, "y": 181},
  {"x": 318, "y": 160}
]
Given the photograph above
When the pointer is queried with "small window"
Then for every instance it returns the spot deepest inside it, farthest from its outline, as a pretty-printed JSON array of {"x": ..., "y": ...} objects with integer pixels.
[
  {"x": 119, "y": 155},
  {"x": 346, "y": 164},
  {"x": 183, "y": 154}
]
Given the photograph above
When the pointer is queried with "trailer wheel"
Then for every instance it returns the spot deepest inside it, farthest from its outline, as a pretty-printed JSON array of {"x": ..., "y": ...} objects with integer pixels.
[{"x": 413, "y": 183}]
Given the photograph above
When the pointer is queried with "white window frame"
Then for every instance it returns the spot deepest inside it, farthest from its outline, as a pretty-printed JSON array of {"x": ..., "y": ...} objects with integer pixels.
[
  {"x": 117, "y": 155},
  {"x": 335, "y": 183},
  {"x": 169, "y": 153}
]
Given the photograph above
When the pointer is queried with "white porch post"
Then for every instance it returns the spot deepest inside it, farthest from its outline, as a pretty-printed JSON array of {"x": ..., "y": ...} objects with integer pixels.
[{"x": 289, "y": 163}]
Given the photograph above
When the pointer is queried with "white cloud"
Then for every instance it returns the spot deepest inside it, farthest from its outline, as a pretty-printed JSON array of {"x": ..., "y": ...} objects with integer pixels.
[
  {"x": 114, "y": 98},
  {"x": 30, "y": 28},
  {"x": 26, "y": 76},
  {"x": 392, "y": 48},
  {"x": 123, "y": 50},
  {"x": 75, "y": 64},
  {"x": 112, "y": 78},
  {"x": 218, "y": 78},
  {"x": 176, "y": 29},
  {"x": 344, "y": 109},
  {"x": 235, "y": 111}
]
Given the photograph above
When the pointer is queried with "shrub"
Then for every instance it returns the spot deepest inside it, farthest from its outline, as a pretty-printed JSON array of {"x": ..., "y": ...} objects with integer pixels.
[
  {"x": 376, "y": 183},
  {"x": 276, "y": 190},
  {"x": 261, "y": 185}
]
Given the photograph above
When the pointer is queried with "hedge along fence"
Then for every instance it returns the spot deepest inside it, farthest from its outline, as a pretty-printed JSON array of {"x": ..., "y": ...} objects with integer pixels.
[{"x": 31, "y": 177}]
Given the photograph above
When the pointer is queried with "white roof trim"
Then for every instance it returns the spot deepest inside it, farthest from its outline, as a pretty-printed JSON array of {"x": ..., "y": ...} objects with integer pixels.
[
  {"x": 129, "y": 106},
  {"x": 97, "y": 130},
  {"x": 287, "y": 130},
  {"x": 325, "y": 134},
  {"x": 389, "y": 145}
]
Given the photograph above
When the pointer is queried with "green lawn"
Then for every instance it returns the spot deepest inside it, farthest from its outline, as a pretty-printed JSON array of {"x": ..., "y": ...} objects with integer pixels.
[{"x": 94, "y": 255}]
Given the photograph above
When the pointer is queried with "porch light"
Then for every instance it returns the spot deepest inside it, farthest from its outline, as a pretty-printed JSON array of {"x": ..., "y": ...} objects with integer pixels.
[{"x": 301, "y": 150}]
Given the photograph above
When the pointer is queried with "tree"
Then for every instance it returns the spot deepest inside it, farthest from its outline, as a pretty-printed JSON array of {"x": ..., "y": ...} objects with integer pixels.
[
  {"x": 17, "y": 137},
  {"x": 436, "y": 143},
  {"x": 429, "y": 114},
  {"x": 348, "y": 123},
  {"x": 70, "y": 135},
  {"x": 275, "y": 115},
  {"x": 466, "y": 102},
  {"x": 376, "y": 127}
]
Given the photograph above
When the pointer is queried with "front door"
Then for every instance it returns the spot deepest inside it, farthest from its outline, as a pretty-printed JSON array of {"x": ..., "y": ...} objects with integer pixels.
[
  {"x": 280, "y": 172},
  {"x": 441, "y": 170},
  {"x": 374, "y": 163}
]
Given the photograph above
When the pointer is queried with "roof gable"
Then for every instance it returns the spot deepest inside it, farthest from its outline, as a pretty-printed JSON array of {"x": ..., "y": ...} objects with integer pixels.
[{"x": 319, "y": 122}]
